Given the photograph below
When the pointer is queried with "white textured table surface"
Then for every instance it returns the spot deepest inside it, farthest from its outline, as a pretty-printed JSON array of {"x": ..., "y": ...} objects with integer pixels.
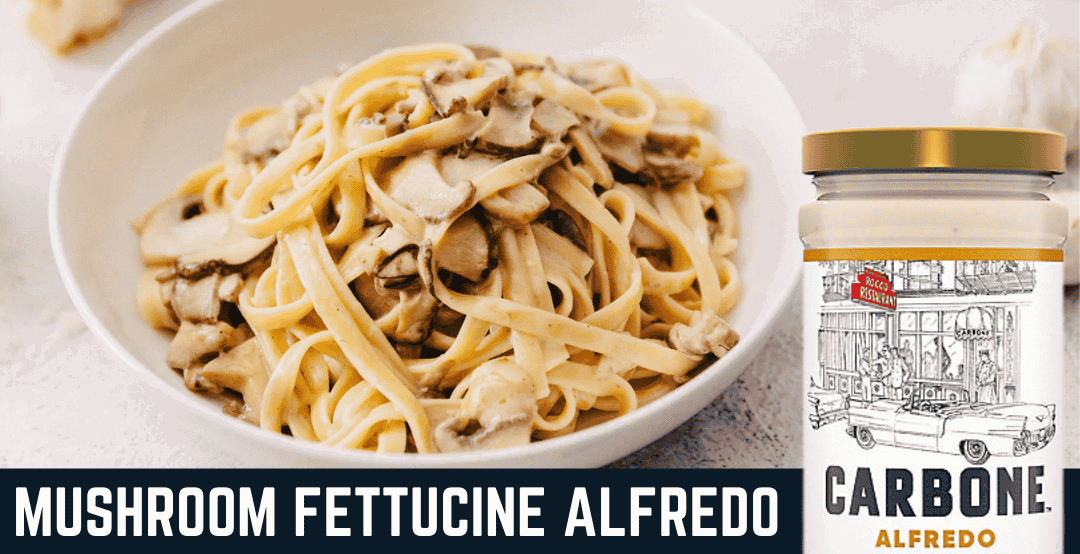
[{"x": 65, "y": 400}]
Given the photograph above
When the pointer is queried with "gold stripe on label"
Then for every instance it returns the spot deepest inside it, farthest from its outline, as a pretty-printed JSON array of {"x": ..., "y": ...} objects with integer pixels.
[{"x": 1024, "y": 254}]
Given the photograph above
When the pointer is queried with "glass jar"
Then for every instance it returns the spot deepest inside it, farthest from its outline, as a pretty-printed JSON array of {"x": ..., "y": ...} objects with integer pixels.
[{"x": 932, "y": 306}]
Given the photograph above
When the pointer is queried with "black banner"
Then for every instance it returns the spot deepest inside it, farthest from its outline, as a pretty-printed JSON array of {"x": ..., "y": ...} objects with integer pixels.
[
  {"x": 737, "y": 508},
  {"x": 1071, "y": 514}
]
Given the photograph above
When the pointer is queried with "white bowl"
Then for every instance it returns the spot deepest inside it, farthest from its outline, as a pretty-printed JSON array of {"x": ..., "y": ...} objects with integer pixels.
[{"x": 162, "y": 109}]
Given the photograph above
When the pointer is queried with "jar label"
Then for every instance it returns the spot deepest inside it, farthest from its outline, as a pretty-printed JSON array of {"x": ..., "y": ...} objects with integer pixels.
[{"x": 932, "y": 387}]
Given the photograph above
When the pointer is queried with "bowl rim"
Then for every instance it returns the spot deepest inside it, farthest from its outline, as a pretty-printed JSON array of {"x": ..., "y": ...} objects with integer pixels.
[{"x": 718, "y": 375}]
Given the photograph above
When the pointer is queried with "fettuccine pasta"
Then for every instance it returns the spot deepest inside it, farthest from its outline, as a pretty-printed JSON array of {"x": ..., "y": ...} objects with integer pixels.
[{"x": 449, "y": 248}]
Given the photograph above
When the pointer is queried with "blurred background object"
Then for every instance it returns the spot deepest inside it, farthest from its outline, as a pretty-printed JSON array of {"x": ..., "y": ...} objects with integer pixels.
[
  {"x": 1028, "y": 79},
  {"x": 65, "y": 25},
  {"x": 1024, "y": 80}
]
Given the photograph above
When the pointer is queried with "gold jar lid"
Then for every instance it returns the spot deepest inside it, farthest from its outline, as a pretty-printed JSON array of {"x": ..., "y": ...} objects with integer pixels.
[{"x": 922, "y": 148}]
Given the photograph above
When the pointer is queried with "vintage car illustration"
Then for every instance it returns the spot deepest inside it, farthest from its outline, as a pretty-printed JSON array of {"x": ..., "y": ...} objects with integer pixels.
[
  {"x": 826, "y": 406},
  {"x": 976, "y": 430}
]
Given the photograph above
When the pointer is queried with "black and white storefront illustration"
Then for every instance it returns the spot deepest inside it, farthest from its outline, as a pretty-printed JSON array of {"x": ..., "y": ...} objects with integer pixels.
[{"x": 940, "y": 371}]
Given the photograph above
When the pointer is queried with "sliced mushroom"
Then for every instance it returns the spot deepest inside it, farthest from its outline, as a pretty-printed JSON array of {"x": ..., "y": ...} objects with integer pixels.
[
  {"x": 377, "y": 302},
  {"x": 196, "y": 301},
  {"x": 508, "y": 130},
  {"x": 266, "y": 138},
  {"x": 210, "y": 257},
  {"x": 395, "y": 269},
  {"x": 523, "y": 66},
  {"x": 397, "y": 123},
  {"x": 199, "y": 300},
  {"x": 517, "y": 206},
  {"x": 153, "y": 303},
  {"x": 564, "y": 224},
  {"x": 229, "y": 287},
  {"x": 195, "y": 270},
  {"x": 193, "y": 341},
  {"x": 391, "y": 239},
  {"x": 663, "y": 170},
  {"x": 446, "y": 318},
  {"x": 415, "y": 306},
  {"x": 418, "y": 308},
  {"x": 408, "y": 349},
  {"x": 194, "y": 381},
  {"x": 621, "y": 149},
  {"x": 483, "y": 52},
  {"x": 178, "y": 230},
  {"x": 445, "y": 84},
  {"x": 706, "y": 333},
  {"x": 470, "y": 167},
  {"x": 244, "y": 370},
  {"x": 399, "y": 270},
  {"x": 496, "y": 412},
  {"x": 495, "y": 68},
  {"x": 401, "y": 284},
  {"x": 465, "y": 249},
  {"x": 553, "y": 120},
  {"x": 417, "y": 184},
  {"x": 554, "y": 246},
  {"x": 672, "y": 139},
  {"x": 239, "y": 335}
]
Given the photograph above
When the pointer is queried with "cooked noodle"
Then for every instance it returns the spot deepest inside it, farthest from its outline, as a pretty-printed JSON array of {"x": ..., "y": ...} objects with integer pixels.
[{"x": 448, "y": 248}]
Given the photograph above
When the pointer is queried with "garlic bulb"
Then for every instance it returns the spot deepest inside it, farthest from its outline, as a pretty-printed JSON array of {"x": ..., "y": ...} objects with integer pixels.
[
  {"x": 65, "y": 25},
  {"x": 1022, "y": 81},
  {"x": 1031, "y": 82}
]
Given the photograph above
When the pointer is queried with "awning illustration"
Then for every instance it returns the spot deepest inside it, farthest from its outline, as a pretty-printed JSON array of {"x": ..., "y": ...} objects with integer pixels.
[
  {"x": 973, "y": 323},
  {"x": 997, "y": 282}
]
